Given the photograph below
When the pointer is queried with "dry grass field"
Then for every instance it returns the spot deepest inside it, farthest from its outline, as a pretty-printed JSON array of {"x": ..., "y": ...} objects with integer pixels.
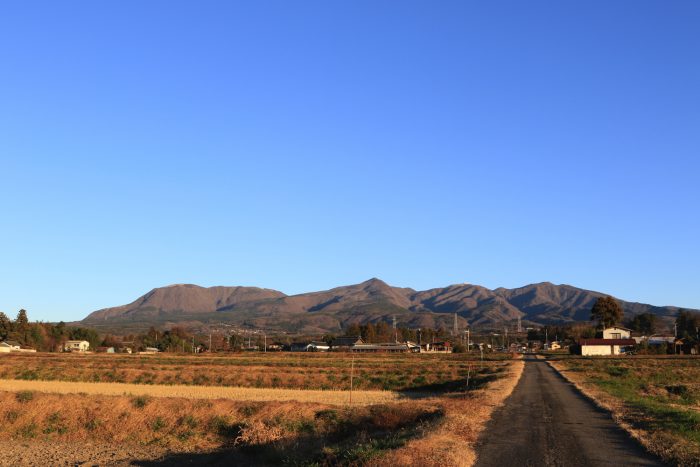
[
  {"x": 272, "y": 370},
  {"x": 656, "y": 398},
  {"x": 360, "y": 397},
  {"x": 432, "y": 417}
]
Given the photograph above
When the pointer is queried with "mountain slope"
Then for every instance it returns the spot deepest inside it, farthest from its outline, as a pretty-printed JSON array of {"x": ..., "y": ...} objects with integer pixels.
[{"x": 370, "y": 301}]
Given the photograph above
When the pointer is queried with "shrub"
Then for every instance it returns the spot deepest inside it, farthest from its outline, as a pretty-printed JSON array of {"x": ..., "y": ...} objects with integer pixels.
[
  {"x": 678, "y": 390},
  {"x": 55, "y": 423},
  {"x": 92, "y": 424},
  {"x": 158, "y": 424},
  {"x": 12, "y": 416},
  {"x": 24, "y": 396},
  {"x": 249, "y": 410},
  {"x": 28, "y": 430},
  {"x": 188, "y": 421},
  {"x": 618, "y": 371},
  {"x": 140, "y": 402}
]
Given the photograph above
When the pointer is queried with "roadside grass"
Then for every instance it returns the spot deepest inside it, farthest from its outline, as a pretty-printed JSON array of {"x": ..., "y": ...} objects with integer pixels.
[{"x": 658, "y": 397}]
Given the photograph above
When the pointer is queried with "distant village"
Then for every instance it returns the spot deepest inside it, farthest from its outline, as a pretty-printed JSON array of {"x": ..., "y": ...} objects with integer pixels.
[{"x": 606, "y": 337}]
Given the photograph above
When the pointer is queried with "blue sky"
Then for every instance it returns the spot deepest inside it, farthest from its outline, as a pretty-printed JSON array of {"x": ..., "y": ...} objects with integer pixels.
[{"x": 305, "y": 145}]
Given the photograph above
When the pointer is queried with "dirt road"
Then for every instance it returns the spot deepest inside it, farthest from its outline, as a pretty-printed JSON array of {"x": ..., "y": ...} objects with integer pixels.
[{"x": 547, "y": 422}]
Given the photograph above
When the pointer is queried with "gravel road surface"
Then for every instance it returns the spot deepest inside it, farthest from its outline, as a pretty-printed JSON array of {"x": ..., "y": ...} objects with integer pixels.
[{"x": 547, "y": 422}]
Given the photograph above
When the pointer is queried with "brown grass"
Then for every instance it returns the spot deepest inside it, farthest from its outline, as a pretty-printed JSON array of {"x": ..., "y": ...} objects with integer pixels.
[
  {"x": 251, "y": 426},
  {"x": 453, "y": 442},
  {"x": 271, "y": 370}
]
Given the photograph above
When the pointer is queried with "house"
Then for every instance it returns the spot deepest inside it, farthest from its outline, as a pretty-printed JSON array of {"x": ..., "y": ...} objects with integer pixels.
[
  {"x": 105, "y": 349},
  {"x": 14, "y": 345},
  {"x": 76, "y": 346},
  {"x": 127, "y": 350},
  {"x": 5, "y": 347},
  {"x": 605, "y": 346},
  {"x": 149, "y": 351},
  {"x": 345, "y": 343},
  {"x": 552, "y": 346},
  {"x": 616, "y": 332}
]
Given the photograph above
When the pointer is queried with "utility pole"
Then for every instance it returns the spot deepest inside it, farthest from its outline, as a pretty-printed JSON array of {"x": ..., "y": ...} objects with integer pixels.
[
  {"x": 455, "y": 328},
  {"x": 265, "y": 343},
  {"x": 469, "y": 344},
  {"x": 352, "y": 374},
  {"x": 209, "y": 341},
  {"x": 396, "y": 335},
  {"x": 520, "y": 325}
]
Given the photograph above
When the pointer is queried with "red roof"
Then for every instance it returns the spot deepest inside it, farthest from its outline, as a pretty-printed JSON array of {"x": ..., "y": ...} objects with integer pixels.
[{"x": 607, "y": 342}]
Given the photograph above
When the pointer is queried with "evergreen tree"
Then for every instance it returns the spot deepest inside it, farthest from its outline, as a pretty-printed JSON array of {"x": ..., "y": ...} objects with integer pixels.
[
  {"x": 5, "y": 326},
  {"x": 22, "y": 326},
  {"x": 688, "y": 325},
  {"x": 607, "y": 312}
]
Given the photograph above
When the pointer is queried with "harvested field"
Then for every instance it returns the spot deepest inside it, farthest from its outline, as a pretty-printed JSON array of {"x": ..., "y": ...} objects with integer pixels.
[
  {"x": 204, "y": 392},
  {"x": 417, "y": 372},
  {"x": 219, "y": 425},
  {"x": 655, "y": 398}
]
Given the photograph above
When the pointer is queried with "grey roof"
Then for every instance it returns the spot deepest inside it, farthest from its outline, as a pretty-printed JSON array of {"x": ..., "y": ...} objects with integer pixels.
[{"x": 346, "y": 341}]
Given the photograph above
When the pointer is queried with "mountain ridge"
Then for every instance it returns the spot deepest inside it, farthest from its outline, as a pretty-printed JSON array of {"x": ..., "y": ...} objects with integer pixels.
[{"x": 369, "y": 301}]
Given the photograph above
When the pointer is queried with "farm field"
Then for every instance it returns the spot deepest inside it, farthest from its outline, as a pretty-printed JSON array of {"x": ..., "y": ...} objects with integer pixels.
[
  {"x": 656, "y": 398},
  {"x": 291, "y": 409},
  {"x": 418, "y": 372}
]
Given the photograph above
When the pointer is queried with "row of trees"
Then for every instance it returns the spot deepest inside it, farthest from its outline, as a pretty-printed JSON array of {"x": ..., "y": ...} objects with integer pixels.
[
  {"x": 383, "y": 332},
  {"x": 43, "y": 336}
]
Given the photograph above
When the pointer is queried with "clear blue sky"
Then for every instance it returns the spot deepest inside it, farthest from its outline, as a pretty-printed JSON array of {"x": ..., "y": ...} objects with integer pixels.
[{"x": 305, "y": 145}]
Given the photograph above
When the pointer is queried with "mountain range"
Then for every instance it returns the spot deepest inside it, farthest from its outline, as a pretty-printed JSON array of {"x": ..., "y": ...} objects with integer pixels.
[{"x": 370, "y": 301}]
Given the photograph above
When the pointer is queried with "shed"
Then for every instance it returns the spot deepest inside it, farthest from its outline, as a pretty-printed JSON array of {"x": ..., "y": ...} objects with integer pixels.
[{"x": 605, "y": 346}]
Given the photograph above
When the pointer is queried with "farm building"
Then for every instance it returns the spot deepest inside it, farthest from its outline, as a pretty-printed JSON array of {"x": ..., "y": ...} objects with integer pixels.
[
  {"x": 9, "y": 346},
  {"x": 149, "y": 351},
  {"x": 345, "y": 343},
  {"x": 314, "y": 346},
  {"x": 604, "y": 346},
  {"x": 616, "y": 332},
  {"x": 76, "y": 346}
]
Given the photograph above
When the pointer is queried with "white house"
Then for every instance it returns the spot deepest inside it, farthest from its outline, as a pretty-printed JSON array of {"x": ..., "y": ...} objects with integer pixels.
[
  {"x": 76, "y": 346},
  {"x": 616, "y": 332},
  {"x": 5, "y": 347}
]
